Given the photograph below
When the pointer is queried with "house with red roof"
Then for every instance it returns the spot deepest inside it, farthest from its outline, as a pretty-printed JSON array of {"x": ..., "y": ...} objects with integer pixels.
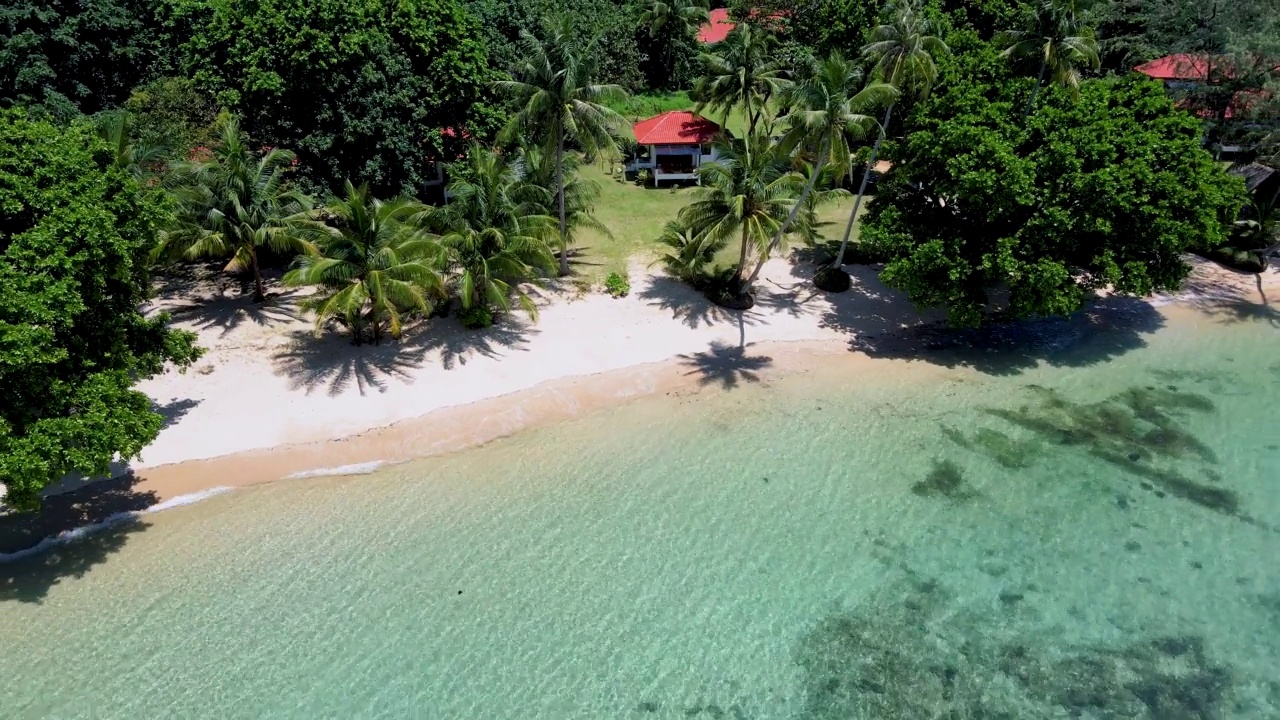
[
  {"x": 717, "y": 27},
  {"x": 674, "y": 145}
]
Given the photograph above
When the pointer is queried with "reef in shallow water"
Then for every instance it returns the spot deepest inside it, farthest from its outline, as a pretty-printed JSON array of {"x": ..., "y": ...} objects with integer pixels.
[
  {"x": 1142, "y": 431},
  {"x": 913, "y": 658}
]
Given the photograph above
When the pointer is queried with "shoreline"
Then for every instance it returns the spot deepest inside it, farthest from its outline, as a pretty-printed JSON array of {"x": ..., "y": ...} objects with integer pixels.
[{"x": 802, "y": 346}]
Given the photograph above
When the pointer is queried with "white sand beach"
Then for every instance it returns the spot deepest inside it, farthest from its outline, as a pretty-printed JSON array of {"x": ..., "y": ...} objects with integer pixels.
[{"x": 267, "y": 380}]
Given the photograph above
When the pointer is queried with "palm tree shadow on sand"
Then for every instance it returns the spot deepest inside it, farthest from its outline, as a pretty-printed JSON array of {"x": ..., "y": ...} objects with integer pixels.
[
  {"x": 689, "y": 306},
  {"x": 334, "y": 363}
]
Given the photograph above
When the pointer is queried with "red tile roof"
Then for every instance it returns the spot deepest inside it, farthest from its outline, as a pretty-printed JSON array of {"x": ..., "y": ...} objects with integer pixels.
[
  {"x": 678, "y": 127},
  {"x": 1177, "y": 67},
  {"x": 717, "y": 28}
]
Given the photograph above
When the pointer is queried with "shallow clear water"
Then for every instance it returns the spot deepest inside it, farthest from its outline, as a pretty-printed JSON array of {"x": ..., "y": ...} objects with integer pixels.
[{"x": 967, "y": 537}]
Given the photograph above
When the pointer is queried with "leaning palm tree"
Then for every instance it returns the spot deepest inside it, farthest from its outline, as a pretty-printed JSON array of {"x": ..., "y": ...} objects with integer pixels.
[
  {"x": 745, "y": 194},
  {"x": 373, "y": 265},
  {"x": 233, "y": 202},
  {"x": 561, "y": 101},
  {"x": 741, "y": 73},
  {"x": 493, "y": 236},
  {"x": 826, "y": 111},
  {"x": 1059, "y": 37},
  {"x": 902, "y": 50}
]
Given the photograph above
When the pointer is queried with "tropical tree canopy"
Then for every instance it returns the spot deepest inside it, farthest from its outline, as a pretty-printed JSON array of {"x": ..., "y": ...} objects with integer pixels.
[
  {"x": 560, "y": 101},
  {"x": 76, "y": 234},
  {"x": 359, "y": 88},
  {"x": 494, "y": 231},
  {"x": 373, "y": 265},
  {"x": 745, "y": 195},
  {"x": 1058, "y": 41},
  {"x": 1104, "y": 193},
  {"x": 741, "y": 73},
  {"x": 232, "y": 203}
]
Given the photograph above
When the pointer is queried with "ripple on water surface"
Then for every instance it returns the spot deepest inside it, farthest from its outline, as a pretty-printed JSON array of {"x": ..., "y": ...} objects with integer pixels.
[{"x": 1073, "y": 539}]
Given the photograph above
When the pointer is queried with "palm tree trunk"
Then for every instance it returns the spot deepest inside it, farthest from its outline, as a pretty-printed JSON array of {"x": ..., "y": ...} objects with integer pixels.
[
  {"x": 795, "y": 211},
  {"x": 1044, "y": 64},
  {"x": 259, "y": 289},
  {"x": 564, "y": 243},
  {"x": 862, "y": 189},
  {"x": 742, "y": 258}
]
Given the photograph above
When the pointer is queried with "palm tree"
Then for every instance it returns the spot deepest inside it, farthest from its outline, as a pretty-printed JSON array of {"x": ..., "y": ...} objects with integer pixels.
[
  {"x": 560, "y": 101},
  {"x": 493, "y": 236},
  {"x": 234, "y": 202},
  {"x": 741, "y": 73},
  {"x": 691, "y": 253},
  {"x": 580, "y": 194},
  {"x": 826, "y": 111},
  {"x": 902, "y": 51},
  {"x": 685, "y": 15},
  {"x": 746, "y": 193},
  {"x": 137, "y": 157},
  {"x": 373, "y": 265},
  {"x": 1060, "y": 39}
]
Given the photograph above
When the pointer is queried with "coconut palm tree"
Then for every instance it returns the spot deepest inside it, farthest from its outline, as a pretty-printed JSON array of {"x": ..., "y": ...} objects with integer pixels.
[
  {"x": 741, "y": 73},
  {"x": 234, "y": 202},
  {"x": 902, "y": 50},
  {"x": 580, "y": 194},
  {"x": 373, "y": 265},
  {"x": 691, "y": 253},
  {"x": 560, "y": 101},
  {"x": 493, "y": 236},
  {"x": 826, "y": 110},
  {"x": 138, "y": 157},
  {"x": 745, "y": 194},
  {"x": 685, "y": 15},
  {"x": 1059, "y": 37}
]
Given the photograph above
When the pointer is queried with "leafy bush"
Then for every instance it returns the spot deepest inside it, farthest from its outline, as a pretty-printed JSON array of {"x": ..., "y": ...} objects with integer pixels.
[
  {"x": 643, "y": 176},
  {"x": 617, "y": 285},
  {"x": 476, "y": 317},
  {"x": 649, "y": 104}
]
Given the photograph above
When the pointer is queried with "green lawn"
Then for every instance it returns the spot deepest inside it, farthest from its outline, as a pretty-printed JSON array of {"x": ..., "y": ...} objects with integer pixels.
[{"x": 635, "y": 217}]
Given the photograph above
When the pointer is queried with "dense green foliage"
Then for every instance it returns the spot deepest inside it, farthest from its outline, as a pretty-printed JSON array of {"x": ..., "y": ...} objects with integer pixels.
[
  {"x": 72, "y": 57},
  {"x": 373, "y": 265},
  {"x": 1106, "y": 191},
  {"x": 358, "y": 88},
  {"x": 75, "y": 232},
  {"x": 235, "y": 203}
]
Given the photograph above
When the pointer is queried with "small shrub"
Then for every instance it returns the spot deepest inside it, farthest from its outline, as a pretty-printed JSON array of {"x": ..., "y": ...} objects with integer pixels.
[
  {"x": 476, "y": 317},
  {"x": 617, "y": 285},
  {"x": 643, "y": 176}
]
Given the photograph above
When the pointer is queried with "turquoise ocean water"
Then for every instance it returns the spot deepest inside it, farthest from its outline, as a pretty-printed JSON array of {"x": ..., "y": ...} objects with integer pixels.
[{"x": 1059, "y": 522}]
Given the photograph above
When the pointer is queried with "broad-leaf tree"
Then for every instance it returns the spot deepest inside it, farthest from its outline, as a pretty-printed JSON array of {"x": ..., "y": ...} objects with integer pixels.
[
  {"x": 232, "y": 203},
  {"x": 903, "y": 51},
  {"x": 361, "y": 89},
  {"x": 75, "y": 234},
  {"x": 373, "y": 265},
  {"x": 1059, "y": 40},
  {"x": 560, "y": 101},
  {"x": 1106, "y": 192},
  {"x": 827, "y": 109},
  {"x": 494, "y": 237}
]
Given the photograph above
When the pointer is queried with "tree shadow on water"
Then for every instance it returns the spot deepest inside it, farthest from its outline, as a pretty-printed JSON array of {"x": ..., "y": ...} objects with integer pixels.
[
  {"x": 726, "y": 365},
  {"x": 1107, "y": 328},
  {"x": 68, "y": 536}
]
